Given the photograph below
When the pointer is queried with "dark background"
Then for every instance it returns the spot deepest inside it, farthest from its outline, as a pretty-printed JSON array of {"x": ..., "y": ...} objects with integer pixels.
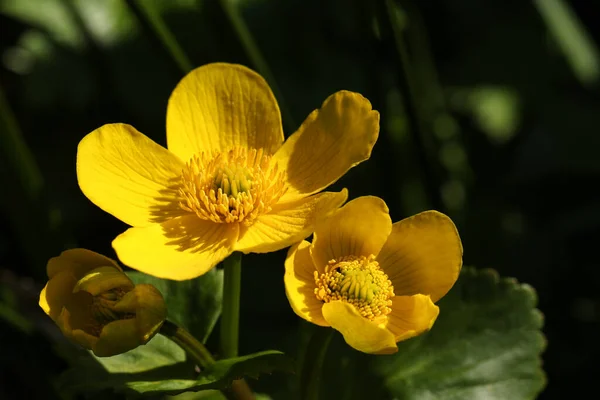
[{"x": 490, "y": 113}]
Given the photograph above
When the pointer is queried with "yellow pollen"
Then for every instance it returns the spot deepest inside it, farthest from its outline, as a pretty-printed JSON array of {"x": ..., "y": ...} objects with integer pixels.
[
  {"x": 358, "y": 281},
  {"x": 233, "y": 186}
]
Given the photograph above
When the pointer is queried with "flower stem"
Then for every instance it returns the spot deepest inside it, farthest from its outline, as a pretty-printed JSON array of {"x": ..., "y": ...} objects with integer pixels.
[
  {"x": 239, "y": 389},
  {"x": 256, "y": 58},
  {"x": 410, "y": 92},
  {"x": 230, "y": 315},
  {"x": 16, "y": 151},
  {"x": 147, "y": 14},
  {"x": 187, "y": 342},
  {"x": 312, "y": 368},
  {"x": 23, "y": 195}
]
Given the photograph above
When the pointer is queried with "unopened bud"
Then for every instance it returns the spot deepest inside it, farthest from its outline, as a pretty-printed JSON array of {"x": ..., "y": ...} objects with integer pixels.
[{"x": 97, "y": 306}]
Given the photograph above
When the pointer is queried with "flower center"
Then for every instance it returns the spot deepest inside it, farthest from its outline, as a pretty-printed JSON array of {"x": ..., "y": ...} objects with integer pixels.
[
  {"x": 233, "y": 180},
  {"x": 358, "y": 281},
  {"x": 233, "y": 186}
]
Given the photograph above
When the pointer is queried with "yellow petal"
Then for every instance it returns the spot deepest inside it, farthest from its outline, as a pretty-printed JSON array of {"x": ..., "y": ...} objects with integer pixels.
[
  {"x": 300, "y": 284},
  {"x": 78, "y": 262},
  {"x": 128, "y": 175},
  {"x": 149, "y": 307},
  {"x": 360, "y": 228},
  {"x": 56, "y": 293},
  {"x": 288, "y": 223},
  {"x": 411, "y": 316},
  {"x": 62, "y": 321},
  {"x": 43, "y": 301},
  {"x": 359, "y": 332},
  {"x": 72, "y": 325},
  {"x": 83, "y": 338},
  {"x": 179, "y": 249},
  {"x": 220, "y": 106},
  {"x": 118, "y": 337},
  {"x": 78, "y": 311},
  {"x": 423, "y": 254},
  {"x": 330, "y": 141},
  {"x": 103, "y": 279}
]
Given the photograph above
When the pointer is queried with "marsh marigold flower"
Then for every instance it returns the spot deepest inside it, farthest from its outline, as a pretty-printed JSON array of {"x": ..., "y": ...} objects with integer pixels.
[
  {"x": 374, "y": 281},
  {"x": 97, "y": 306},
  {"x": 227, "y": 182}
]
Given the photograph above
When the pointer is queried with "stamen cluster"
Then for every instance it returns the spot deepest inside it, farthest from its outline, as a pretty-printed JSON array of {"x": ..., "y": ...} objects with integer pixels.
[
  {"x": 233, "y": 186},
  {"x": 359, "y": 281}
]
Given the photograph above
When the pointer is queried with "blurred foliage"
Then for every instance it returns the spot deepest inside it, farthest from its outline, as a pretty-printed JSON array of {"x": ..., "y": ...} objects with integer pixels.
[{"x": 498, "y": 129}]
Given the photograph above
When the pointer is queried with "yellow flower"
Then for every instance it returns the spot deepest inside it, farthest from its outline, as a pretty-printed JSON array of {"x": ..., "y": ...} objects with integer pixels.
[
  {"x": 227, "y": 181},
  {"x": 374, "y": 281},
  {"x": 97, "y": 306}
]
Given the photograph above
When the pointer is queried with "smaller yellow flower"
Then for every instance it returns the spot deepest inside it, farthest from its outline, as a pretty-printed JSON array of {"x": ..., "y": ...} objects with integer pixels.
[
  {"x": 374, "y": 281},
  {"x": 97, "y": 306}
]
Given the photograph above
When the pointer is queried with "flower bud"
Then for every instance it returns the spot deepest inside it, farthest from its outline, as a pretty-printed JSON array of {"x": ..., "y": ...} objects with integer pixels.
[{"x": 97, "y": 306}]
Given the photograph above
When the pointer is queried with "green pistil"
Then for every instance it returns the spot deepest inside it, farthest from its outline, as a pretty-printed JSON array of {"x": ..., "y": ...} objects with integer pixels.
[
  {"x": 233, "y": 181},
  {"x": 357, "y": 284}
]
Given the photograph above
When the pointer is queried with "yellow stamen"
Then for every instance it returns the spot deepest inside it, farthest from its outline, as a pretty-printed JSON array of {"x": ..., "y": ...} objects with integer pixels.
[
  {"x": 233, "y": 186},
  {"x": 358, "y": 281}
]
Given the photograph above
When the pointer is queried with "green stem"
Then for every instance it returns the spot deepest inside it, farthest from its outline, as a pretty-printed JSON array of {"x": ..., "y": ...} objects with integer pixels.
[
  {"x": 312, "y": 368},
  {"x": 187, "y": 342},
  {"x": 239, "y": 389},
  {"x": 25, "y": 202},
  {"x": 230, "y": 315},
  {"x": 17, "y": 153},
  {"x": 154, "y": 20},
  {"x": 256, "y": 58},
  {"x": 414, "y": 113}
]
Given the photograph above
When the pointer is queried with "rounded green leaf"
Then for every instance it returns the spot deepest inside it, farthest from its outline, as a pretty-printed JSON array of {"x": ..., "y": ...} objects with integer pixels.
[{"x": 486, "y": 343}]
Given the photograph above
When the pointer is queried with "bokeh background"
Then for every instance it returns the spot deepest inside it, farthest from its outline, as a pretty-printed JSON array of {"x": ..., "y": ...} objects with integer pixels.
[{"x": 490, "y": 113}]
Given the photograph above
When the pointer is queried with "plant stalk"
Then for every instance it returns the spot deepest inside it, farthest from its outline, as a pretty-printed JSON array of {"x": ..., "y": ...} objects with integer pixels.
[
  {"x": 20, "y": 157},
  {"x": 144, "y": 10},
  {"x": 230, "y": 314},
  {"x": 312, "y": 369},
  {"x": 407, "y": 81},
  {"x": 256, "y": 58},
  {"x": 239, "y": 389},
  {"x": 187, "y": 342}
]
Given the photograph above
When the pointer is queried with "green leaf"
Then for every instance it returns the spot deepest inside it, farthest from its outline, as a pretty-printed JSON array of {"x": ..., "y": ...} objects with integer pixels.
[
  {"x": 160, "y": 352},
  {"x": 160, "y": 358},
  {"x": 486, "y": 343},
  {"x": 194, "y": 304},
  {"x": 221, "y": 374},
  {"x": 129, "y": 373},
  {"x": 211, "y": 395}
]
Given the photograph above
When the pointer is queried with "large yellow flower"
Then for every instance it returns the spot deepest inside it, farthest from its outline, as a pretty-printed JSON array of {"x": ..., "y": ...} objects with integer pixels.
[
  {"x": 227, "y": 181},
  {"x": 374, "y": 281}
]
